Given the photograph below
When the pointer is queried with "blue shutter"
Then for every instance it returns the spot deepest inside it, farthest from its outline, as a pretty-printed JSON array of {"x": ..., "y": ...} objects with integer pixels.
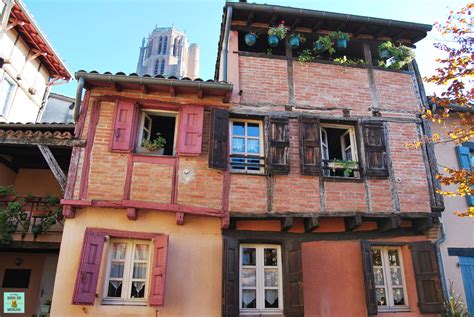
[
  {"x": 464, "y": 158},
  {"x": 467, "y": 271}
]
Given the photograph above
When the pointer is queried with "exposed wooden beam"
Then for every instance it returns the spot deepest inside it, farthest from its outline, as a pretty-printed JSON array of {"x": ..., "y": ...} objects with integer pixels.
[
  {"x": 132, "y": 213},
  {"x": 390, "y": 223},
  {"x": 272, "y": 20},
  {"x": 294, "y": 24},
  {"x": 144, "y": 89},
  {"x": 421, "y": 224},
  {"x": 311, "y": 223},
  {"x": 172, "y": 91},
  {"x": 286, "y": 223},
  {"x": 340, "y": 26},
  {"x": 53, "y": 165},
  {"x": 380, "y": 33},
  {"x": 359, "y": 30},
  {"x": 353, "y": 222},
  {"x": 316, "y": 26},
  {"x": 69, "y": 211},
  {"x": 44, "y": 141},
  {"x": 250, "y": 18},
  {"x": 118, "y": 87},
  {"x": 200, "y": 93},
  {"x": 9, "y": 164},
  {"x": 180, "y": 218},
  {"x": 226, "y": 223}
]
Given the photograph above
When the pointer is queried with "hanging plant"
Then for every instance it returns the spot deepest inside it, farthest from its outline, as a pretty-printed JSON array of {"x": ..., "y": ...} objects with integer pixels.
[
  {"x": 324, "y": 43},
  {"x": 340, "y": 40},
  {"x": 400, "y": 56},
  {"x": 250, "y": 38},
  {"x": 277, "y": 33},
  {"x": 384, "y": 50},
  {"x": 295, "y": 40}
]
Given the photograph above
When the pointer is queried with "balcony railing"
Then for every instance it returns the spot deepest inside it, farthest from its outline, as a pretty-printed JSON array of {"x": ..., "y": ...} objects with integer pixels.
[{"x": 252, "y": 164}]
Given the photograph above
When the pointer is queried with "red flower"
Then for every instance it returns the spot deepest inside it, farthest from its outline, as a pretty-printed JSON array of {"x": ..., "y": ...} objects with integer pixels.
[{"x": 282, "y": 21}]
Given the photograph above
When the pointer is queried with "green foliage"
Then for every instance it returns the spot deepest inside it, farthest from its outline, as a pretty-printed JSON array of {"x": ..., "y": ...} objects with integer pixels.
[
  {"x": 279, "y": 30},
  {"x": 454, "y": 305},
  {"x": 400, "y": 55},
  {"x": 306, "y": 56},
  {"x": 7, "y": 190},
  {"x": 348, "y": 166},
  {"x": 327, "y": 43},
  {"x": 348, "y": 62},
  {"x": 339, "y": 36},
  {"x": 155, "y": 144},
  {"x": 269, "y": 51}
]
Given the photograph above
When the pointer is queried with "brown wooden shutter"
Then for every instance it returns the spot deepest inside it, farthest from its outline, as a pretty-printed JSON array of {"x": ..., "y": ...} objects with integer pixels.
[
  {"x": 293, "y": 279},
  {"x": 430, "y": 298},
  {"x": 375, "y": 148},
  {"x": 369, "y": 278},
  {"x": 124, "y": 127},
  {"x": 158, "y": 271},
  {"x": 218, "y": 150},
  {"x": 279, "y": 147},
  {"x": 310, "y": 148},
  {"x": 230, "y": 281},
  {"x": 87, "y": 277},
  {"x": 190, "y": 130}
]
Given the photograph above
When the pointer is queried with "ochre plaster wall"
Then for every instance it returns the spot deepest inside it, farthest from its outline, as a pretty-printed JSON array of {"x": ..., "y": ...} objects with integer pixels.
[
  {"x": 38, "y": 182},
  {"x": 193, "y": 281}
]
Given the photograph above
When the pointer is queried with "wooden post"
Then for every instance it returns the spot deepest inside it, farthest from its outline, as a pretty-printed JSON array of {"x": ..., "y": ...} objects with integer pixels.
[{"x": 53, "y": 165}]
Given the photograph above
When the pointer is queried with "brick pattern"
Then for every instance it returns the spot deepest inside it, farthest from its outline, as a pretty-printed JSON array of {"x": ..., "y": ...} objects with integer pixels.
[
  {"x": 152, "y": 182},
  {"x": 345, "y": 196},
  {"x": 248, "y": 193},
  {"x": 395, "y": 91},
  {"x": 409, "y": 167},
  {"x": 263, "y": 80},
  {"x": 380, "y": 194}
]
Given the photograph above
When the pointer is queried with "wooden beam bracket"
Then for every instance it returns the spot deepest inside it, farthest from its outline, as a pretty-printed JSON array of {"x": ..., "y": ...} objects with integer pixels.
[
  {"x": 390, "y": 223},
  {"x": 421, "y": 224},
  {"x": 310, "y": 224},
  {"x": 132, "y": 213},
  {"x": 53, "y": 165},
  {"x": 180, "y": 218},
  {"x": 353, "y": 222},
  {"x": 286, "y": 223}
]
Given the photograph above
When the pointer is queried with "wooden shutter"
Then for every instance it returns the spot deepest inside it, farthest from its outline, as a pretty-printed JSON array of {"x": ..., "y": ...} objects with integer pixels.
[
  {"x": 86, "y": 281},
  {"x": 279, "y": 139},
  {"x": 158, "y": 271},
  {"x": 464, "y": 159},
  {"x": 122, "y": 134},
  {"x": 218, "y": 149},
  {"x": 430, "y": 299},
  {"x": 369, "y": 278},
  {"x": 190, "y": 130},
  {"x": 230, "y": 281},
  {"x": 375, "y": 148},
  {"x": 293, "y": 279},
  {"x": 310, "y": 148}
]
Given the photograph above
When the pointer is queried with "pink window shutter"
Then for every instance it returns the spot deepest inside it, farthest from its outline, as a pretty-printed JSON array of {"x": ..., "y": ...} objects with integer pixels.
[
  {"x": 158, "y": 271},
  {"x": 86, "y": 281},
  {"x": 190, "y": 130},
  {"x": 122, "y": 136}
]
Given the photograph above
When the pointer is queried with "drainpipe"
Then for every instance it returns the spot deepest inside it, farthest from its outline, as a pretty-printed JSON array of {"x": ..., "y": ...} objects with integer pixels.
[
  {"x": 77, "y": 106},
  {"x": 226, "y": 42},
  {"x": 439, "y": 257}
]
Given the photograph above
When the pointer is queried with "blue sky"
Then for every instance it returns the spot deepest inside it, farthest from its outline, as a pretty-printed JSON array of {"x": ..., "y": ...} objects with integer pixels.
[{"x": 105, "y": 35}]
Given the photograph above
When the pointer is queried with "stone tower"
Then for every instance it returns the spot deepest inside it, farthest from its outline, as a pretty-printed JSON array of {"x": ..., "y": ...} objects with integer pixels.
[{"x": 167, "y": 52}]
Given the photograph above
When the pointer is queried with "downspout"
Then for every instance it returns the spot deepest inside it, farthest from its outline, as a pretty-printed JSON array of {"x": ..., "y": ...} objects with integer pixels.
[
  {"x": 77, "y": 106},
  {"x": 439, "y": 257},
  {"x": 226, "y": 43}
]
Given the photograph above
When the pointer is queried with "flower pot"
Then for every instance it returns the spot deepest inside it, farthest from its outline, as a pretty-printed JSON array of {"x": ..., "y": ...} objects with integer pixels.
[
  {"x": 385, "y": 54},
  {"x": 340, "y": 44},
  {"x": 273, "y": 40},
  {"x": 294, "y": 41},
  {"x": 250, "y": 39},
  {"x": 319, "y": 47}
]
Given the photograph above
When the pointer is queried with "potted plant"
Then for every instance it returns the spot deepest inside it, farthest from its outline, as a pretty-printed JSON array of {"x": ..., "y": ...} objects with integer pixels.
[
  {"x": 324, "y": 43},
  {"x": 295, "y": 40},
  {"x": 156, "y": 145},
  {"x": 401, "y": 56},
  {"x": 306, "y": 56},
  {"x": 340, "y": 39},
  {"x": 384, "y": 50},
  {"x": 277, "y": 33},
  {"x": 46, "y": 307},
  {"x": 250, "y": 38},
  {"x": 347, "y": 166},
  {"x": 7, "y": 193}
]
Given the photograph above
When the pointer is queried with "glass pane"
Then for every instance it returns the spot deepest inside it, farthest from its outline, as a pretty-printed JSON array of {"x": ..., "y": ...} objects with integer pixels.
[
  {"x": 396, "y": 275},
  {"x": 253, "y": 129},
  {"x": 116, "y": 269},
  {"x": 138, "y": 290},
  {"x": 115, "y": 289},
  {"x": 249, "y": 298},
  {"x": 238, "y": 128},
  {"x": 381, "y": 298},
  {"x": 270, "y": 256},
  {"x": 118, "y": 251},
  {"x": 141, "y": 252},
  {"x": 271, "y": 277},
  {"x": 393, "y": 259},
  {"x": 139, "y": 270},
  {"x": 238, "y": 145},
  {"x": 248, "y": 256},
  {"x": 249, "y": 277},
  {"x": 271, "y": 298},
  {"x": 253, "y": 146},
  {"x": 398, "y": 296},
  {"x": 377, "y": 257},
  {"x": 378, "y": 272}
]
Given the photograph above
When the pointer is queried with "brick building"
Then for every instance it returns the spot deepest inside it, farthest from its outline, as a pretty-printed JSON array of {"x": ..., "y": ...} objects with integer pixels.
[{"x": 286, "y": 183}]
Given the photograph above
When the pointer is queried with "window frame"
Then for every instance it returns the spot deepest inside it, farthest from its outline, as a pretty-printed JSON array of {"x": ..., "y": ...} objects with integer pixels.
[
  {"x": 143, "y": 113},
  {"x": 9, "y": 100},
  {"x": 127, "y": 278},
  {"x": 261, "y": 145},
  {"x": 260, "y": 280},
  {"x": 388, "y": 281}
]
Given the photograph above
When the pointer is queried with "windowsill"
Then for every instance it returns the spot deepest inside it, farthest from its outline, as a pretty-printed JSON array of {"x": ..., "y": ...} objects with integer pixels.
[
  {"x": 247, "y": 173},
  {"x": 393, "y": 310},
  {"x": 124, "y": 303},
  {"x": 343, "y": 179},
  {"x": 152, "y": 154},
  {"x": 276, "y": 312}
]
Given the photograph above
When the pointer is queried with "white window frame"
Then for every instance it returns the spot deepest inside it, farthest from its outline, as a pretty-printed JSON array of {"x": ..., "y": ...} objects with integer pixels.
[
  {"x": 260, "y": 280},
  {"x": 125, "y": 299},
  {"x": 149, "y": 114},
  {"x": 11, "y": 95},
  {"x": 388, "y": 280},
  {"x": 261, "y": 144},
  {"x": 325, "y": 146}
]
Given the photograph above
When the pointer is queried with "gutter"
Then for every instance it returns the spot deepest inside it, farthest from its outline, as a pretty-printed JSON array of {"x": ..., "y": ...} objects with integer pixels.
[{"x": 228, "y": 21}]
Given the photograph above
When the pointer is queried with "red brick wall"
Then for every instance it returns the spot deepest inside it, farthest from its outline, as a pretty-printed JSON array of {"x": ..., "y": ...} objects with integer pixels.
[
  {"x": 152, "y": 182},
  {"x": 248, "y": 193},
  {"x": 381, "y": 196},
  {"x": 345, "y": 196},
  {"x": 395, "y": 91}
]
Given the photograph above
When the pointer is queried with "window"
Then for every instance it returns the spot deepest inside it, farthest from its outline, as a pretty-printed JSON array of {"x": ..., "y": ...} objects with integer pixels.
[
  {"x": 339, "y": 152},
  {"x": 16, "y": 278},
  {"x": 261, "y": 279},
  {"x": 160, "y": 44},
  {"x": 155, "y": 124},
  {"x": 7, "y": 87},
  {"x": 389, "y": 278},
  {"x": 465, "y": 154},
  {"x": 127, "y": 271},
  {"x": 162, "y": 67},
  {"x": 165, "y": 45},
  {"x": 175, "y": 46},
  {"x": 246, "y": 153},
  {"x": 156, "y": 68}
]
